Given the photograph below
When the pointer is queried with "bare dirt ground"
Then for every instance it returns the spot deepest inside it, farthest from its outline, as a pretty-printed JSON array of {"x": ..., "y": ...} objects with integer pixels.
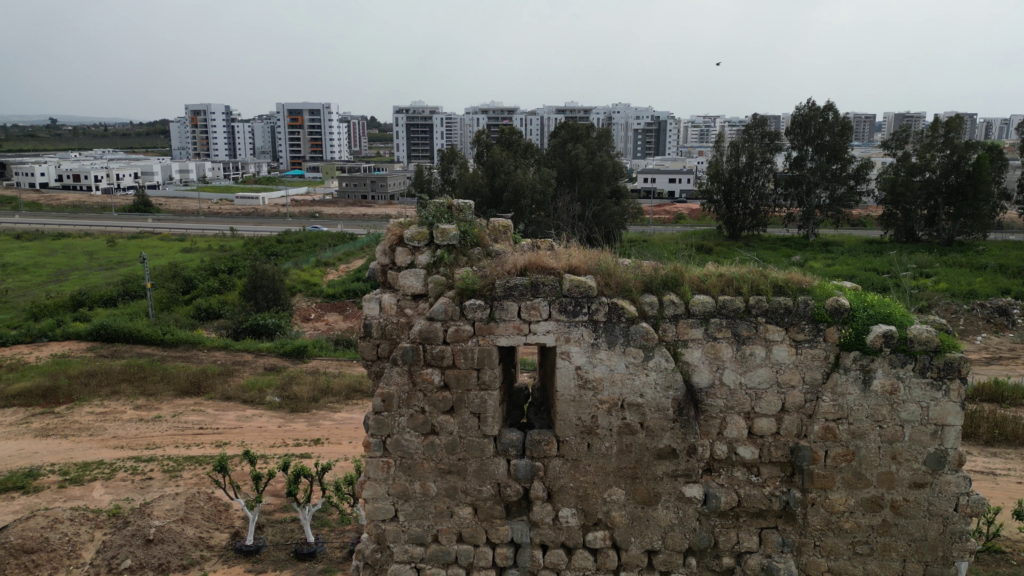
[
  {"x": 147, "y": 508},
  {"x": 299, "y": 206}
]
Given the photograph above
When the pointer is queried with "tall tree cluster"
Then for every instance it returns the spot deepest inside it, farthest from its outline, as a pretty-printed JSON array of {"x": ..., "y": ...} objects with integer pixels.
[
  {"x": 940, "y": 186},
  {"x": 822, "y": 178},
  {"x": 575, "y": 189},
  {"x": 740, "y": 188}
]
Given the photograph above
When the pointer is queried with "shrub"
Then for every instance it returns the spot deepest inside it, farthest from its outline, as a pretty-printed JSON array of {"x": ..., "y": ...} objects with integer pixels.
[
  {"x": 261, "y": 326},
  {"x": 867, "y": 309}
]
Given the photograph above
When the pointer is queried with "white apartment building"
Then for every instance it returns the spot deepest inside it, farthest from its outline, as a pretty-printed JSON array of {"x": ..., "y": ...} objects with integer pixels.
[
  {"x": 310, "y": 132},
  {"x": 181, "y": 139},
  {"x": 264, "y": 137},
  {"x": 893, "y": 121},
  {"x": 358, "y": 138},
  {"x": 421, "y": 131},
  {"x": 36, "y": 176},
  {"x": 701, "y": 131},
  {"x": 209, "y": 131},
  {"x": 243, "y": 139},
  {"x": 1015, "y": 120}
]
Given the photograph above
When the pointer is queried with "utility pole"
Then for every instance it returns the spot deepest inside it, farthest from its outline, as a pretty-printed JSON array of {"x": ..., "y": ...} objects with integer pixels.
[{"x": 144, "y": 260}]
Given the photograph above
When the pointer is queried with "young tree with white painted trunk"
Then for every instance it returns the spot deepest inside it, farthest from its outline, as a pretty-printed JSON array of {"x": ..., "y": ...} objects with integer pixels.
[
  {"x": 302, "y": 482},
  {"x": 250, "y": 499}
]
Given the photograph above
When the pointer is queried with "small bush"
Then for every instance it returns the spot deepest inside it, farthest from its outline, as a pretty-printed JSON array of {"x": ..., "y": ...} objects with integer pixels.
[
  {"x": 20, "y": 480},
  {"x": 867, "y": 309},
  {"x": 261, "y": 326}
]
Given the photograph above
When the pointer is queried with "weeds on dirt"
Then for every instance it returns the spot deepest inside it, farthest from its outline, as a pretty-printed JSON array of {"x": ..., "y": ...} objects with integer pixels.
[
  {"x": 21, "y": 480},
  {"x": 300, "y": 391},
  {"x": 1002, "y": 391},
  {"x": 989, "y": 425},
  {"x": 68, "y": 380}
]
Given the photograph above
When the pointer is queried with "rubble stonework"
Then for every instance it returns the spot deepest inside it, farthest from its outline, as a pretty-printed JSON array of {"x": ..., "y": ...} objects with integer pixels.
[{"x": 711, "y": 436}]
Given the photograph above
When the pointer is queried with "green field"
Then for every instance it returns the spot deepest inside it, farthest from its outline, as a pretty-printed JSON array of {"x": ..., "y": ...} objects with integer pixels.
[
  {"x": 914, "y": 274},
  {"x": 90, "y": 287},
  {"x": 36, "y": 265}
]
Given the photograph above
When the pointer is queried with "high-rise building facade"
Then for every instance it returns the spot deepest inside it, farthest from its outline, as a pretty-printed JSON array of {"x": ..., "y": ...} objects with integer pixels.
[
  {"x": 893, "y": 121},
  {"x": 419, "y": 132},
  {"x": 203, "y": 133},
  {"x": 863, "y": 126},
  {"x": 970, "y": 122},
  {"x": 310, "y": 132}
]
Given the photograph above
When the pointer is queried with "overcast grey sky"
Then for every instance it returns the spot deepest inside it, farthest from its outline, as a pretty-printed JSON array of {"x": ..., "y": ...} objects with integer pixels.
[{"x": 144, "y": 59}]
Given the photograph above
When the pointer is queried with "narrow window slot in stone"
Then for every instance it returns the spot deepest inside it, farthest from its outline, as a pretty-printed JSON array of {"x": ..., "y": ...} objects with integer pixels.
[{"x": 528, "y": 386}]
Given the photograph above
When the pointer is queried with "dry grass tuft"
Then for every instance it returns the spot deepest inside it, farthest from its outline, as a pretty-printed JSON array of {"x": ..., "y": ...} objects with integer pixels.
[{"x": 629, "y": 279}]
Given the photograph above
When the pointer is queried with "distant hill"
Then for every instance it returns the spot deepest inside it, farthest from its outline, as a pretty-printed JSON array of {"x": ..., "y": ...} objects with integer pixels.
[{"x": 29, "y": 119}]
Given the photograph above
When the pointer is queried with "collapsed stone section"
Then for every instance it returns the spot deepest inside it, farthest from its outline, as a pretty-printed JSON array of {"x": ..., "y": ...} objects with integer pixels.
[{"x": 711, "y": 436}]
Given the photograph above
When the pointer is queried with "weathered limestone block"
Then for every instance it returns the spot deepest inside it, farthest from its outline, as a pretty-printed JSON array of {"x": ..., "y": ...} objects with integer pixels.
[
  {"x": 620, "y": 310},
  {"x": 598, "y": 539},
  {"x": 515, "y": 288},
  {"x": 541, "y": 444},
  {"x": 642, "y": 335},
  {"x": 505, "y": 310},
  {"x": 403, "y": 256},
  {"x": 476, "y": 310},
  {"x": 534, "y": 310},
  {"x": 436, "y": 286},
  {"x": 702, "y": 306},
  {"x": 412, "y": 282},
  {"x": 757, "y": 306},
  {"x": 672, "y": 306},
  {"x": 427, "y": 332},
  {"x": 423, "y": 258},
  {"x": 416, "y": 236},
  {"x": 500, "y": 230},
  {"x": 923, "y": 338},
  {"x": 730, "y": 306},
  {"x": 882, "y": 337},
  {"x": 579, "y": 286},
  {"x": 838, "y": 308},
  {"x": 446, "y": 234},
  {"x": 649, "y": 305}
]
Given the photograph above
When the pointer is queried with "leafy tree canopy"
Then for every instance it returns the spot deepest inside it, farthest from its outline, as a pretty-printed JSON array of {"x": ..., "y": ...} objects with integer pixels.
[
  {"x": 822, "y": 177},
  {"x": 591, "y": 202},
  {"x": 740, "y": 186},
  {"x": 941, "y": 186}
]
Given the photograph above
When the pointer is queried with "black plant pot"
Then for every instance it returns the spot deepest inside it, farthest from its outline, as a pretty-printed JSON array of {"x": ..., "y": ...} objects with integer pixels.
[
  {"x": 257, "y": 546},
  {"x": 309, "y": 551}
]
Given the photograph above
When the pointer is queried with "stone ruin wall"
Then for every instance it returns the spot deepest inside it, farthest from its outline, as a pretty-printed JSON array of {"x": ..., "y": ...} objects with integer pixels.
[{"x": 713, "y": 436}]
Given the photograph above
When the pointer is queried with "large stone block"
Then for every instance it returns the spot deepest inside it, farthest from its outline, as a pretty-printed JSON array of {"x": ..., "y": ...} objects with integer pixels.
[
  {"x": 578, "y": 286},
  {"x": 412, "y": 282}
]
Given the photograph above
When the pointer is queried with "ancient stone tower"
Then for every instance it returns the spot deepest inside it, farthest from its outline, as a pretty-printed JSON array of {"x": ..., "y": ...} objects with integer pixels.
[{"x": 726, "y": 435}]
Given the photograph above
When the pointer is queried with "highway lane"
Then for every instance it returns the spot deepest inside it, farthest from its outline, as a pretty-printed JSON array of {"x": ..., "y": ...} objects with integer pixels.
[
  {"x": 128, "y": 223},
  {"x": 180, "y": 224}
]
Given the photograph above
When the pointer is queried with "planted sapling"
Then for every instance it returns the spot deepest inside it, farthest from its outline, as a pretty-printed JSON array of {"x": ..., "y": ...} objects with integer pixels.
[
  {"x": 302, "y": 482},
  {"x": 250, "y": 498},
  {"x": 342, "y": 495}
]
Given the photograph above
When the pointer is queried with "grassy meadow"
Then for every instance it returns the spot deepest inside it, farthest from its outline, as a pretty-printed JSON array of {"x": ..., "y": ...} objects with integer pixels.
[
  {"x": 64, "y": 286},
  {"x": 916, "y": 275}
]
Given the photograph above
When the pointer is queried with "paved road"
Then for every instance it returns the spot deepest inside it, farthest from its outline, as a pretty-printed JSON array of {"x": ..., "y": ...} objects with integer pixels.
[{"x": 176, "y": 224}]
